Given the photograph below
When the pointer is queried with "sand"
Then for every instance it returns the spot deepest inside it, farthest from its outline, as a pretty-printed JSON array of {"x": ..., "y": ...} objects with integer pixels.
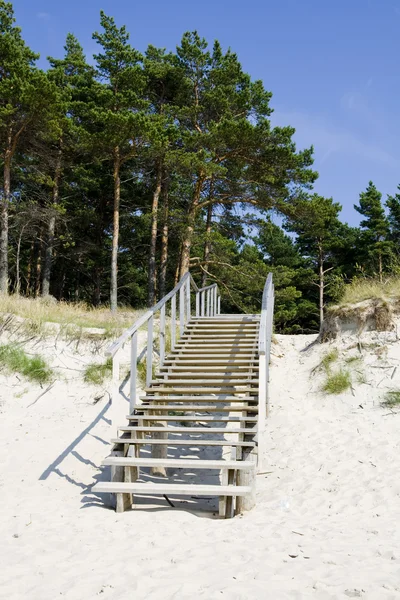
[{"x": 328, "y": 507}]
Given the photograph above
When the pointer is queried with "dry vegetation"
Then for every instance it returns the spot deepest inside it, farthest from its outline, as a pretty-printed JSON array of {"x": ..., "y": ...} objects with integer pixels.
[
  {"x": 72, "y": 317},
  {"x": 368, "y": 289}
]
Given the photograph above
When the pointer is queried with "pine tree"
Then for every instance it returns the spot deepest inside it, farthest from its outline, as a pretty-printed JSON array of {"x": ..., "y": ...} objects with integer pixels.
[
  {"x": 118, "y": 118},
  {"x": 376, "y": 228},
  {"x": 393, "y": 204},
  {"x": 26, "y": 99},
  {"x": 315, "y": 221}
]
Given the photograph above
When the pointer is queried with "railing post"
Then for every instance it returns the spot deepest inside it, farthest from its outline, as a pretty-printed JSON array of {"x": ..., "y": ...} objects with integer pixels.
[
  {"x": 212, "y": 302},
  {"x": 115, "y": 395},
  {"x": 215, "y": 300},
  {"x": 262, "y": 409},
  {"x": 219, "y": 305},
  {"x": 198, "y": 304},
  {"x": 208, "y": 303},
  {"x": 181, "y": 311},
  {"x": 173, "y": 321},
  {"x": 132, "y": 395},
  {"x": 149, "y": 366},
  {"x": 188, "y": 304},
  {"x": 203, "y": 300},
  {"x": 162, "y": 335}
]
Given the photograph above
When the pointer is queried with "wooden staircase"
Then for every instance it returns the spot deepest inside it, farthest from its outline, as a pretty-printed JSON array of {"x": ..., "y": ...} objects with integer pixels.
[{"x": 204, "y": 399}]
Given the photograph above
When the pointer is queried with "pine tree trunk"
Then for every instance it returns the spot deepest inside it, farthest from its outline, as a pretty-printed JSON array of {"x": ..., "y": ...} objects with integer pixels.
[
  {"x": 188, "y": 237},
  {"x": 151, "y": 298},
  {"x": 380, "y": 267},
  {"x": 5, "y": 201},
  {"x": 114, "y": 252},
  {"x": 29, "y": 277},
  {"x": 48, "y": 258},
  {"x": 164, "y": 242},
  {"x": 39, "y": 265},
  {"x": 207, "y": 244},
  {"x": 321, "y": 286}
]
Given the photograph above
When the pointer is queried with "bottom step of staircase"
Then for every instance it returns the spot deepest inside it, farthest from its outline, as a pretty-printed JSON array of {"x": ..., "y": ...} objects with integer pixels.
[
  {"x": 177, "y": 463},
  {"x": 159, "y": 489}
]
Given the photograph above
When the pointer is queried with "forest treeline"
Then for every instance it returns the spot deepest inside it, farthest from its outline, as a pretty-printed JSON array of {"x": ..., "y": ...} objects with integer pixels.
[{"x": 121, "y": 172}]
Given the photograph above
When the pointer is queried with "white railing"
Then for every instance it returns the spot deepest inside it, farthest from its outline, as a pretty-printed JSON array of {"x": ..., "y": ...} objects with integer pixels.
[
  {"x": 207, "y": 304},
  {"x": 264, "y": 348}
]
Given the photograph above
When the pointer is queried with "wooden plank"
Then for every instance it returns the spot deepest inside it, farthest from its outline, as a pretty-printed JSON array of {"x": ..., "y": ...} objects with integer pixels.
[
  {"x": 197, "y": 409},
  {"x": 173, "y": 322},
  {"x": 162, "y": 335},
  {"x": 149, "y": 354},
  {"x": 179, "y": 442},
  {"x": 178, "y": 463},
  {"x": 132, "y": 394},
  {"x": 177, "y": 489},
  {"x": 202, "y": 430},
  {"x": 192, "y": 418}
]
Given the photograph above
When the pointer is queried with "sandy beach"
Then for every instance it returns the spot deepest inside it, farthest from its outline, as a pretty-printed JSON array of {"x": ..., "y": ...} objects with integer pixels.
[{"x": 325, "y": 525}]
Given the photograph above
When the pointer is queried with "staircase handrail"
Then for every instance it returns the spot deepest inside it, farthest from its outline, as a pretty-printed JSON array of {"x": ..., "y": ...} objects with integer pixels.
[
  {"x": 208, "y": 303},
  {"x": 264, "y": 349}
]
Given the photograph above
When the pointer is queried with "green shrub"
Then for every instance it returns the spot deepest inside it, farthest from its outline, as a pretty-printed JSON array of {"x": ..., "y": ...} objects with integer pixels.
[{"x": 15, "y": 360}]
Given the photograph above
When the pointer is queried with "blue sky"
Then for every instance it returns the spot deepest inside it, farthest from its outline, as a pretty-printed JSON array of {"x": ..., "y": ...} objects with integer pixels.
[{"x": 333, "y": 68}]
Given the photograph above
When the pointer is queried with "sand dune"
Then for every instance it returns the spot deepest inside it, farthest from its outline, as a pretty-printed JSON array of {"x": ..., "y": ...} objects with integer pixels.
[{"x": 325, "y": 525}]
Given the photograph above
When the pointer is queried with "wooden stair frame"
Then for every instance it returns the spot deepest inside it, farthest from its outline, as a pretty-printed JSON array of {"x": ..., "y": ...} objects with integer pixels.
[{"x": 216, "y": 373}]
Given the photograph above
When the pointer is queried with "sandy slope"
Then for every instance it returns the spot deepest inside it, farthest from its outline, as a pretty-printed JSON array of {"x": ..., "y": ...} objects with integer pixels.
[{"x": 325, "y": 525}]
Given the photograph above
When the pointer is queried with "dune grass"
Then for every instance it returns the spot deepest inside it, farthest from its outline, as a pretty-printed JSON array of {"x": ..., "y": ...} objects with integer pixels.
[
  {"x": 72, "y": 316},
  {"x": 96, "y": 373},
  {"x": 329, "y": 358},
  {"x": 338, "y": 382},
  {"x": 366, "y": 289},
  {"x": 15, "y": 360},
  {"x": 391, "y": 399}
]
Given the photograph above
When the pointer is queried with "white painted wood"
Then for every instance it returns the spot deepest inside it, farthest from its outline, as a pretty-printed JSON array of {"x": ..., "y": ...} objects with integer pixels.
[
  {"x": 178, "y": 463},
  {"x": 149, "y": 354},
  {"x": 188, "y": 430},
  {"x": 181, "y": 311},
  {"x": 203, "y": 301},
  {"x": 115, "y": 397},
  {"x": 262, "y": 414},
  {"x": 170, "y": 489},
  {"x": 197, "y": 304},
  {"x": 188, "y": 303},
  {"x": 194, "y": 418},
  {"x": 162, "y": 335},
  {"x": 198, "y": 409},
  {"x": 180, "y": 442},
  {"x": 173, "y": 322},
  {"x": 133, "y": 380},
  {"x": 247, "y": 477}
]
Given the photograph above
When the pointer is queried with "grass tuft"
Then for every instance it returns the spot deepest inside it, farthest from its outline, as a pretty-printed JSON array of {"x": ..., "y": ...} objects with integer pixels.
[
  {"x": 15, "y": 360},
  {"x": 329, "y": 359},
  {"x": 96, "y": 373},
  {"x": 338, "y": 382},
  {"x": 392, "y": 399}
]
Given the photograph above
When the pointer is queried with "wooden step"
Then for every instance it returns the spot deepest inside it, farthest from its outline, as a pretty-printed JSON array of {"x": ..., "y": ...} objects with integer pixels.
[
  {"x": 199, "y": 361},
  {"x": 170, "y": 489},
  {"x": 200, "y": 390},
  {"x": 177, "y": 463},
  {"x": 227, "y": 382},
  {"x": 187, "y": 370},
  {"x": 179, "y": 442},
  {"x": 225, "y": 365},
  {"x": 192, "y": 419},
  {"x": 194, "y": 408},
  {"x": 196, "y": 399},
  {"x": 197, "y": 430},
  {"x": 172, "y": 375},
  {"x": 210, "y": 345}
]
